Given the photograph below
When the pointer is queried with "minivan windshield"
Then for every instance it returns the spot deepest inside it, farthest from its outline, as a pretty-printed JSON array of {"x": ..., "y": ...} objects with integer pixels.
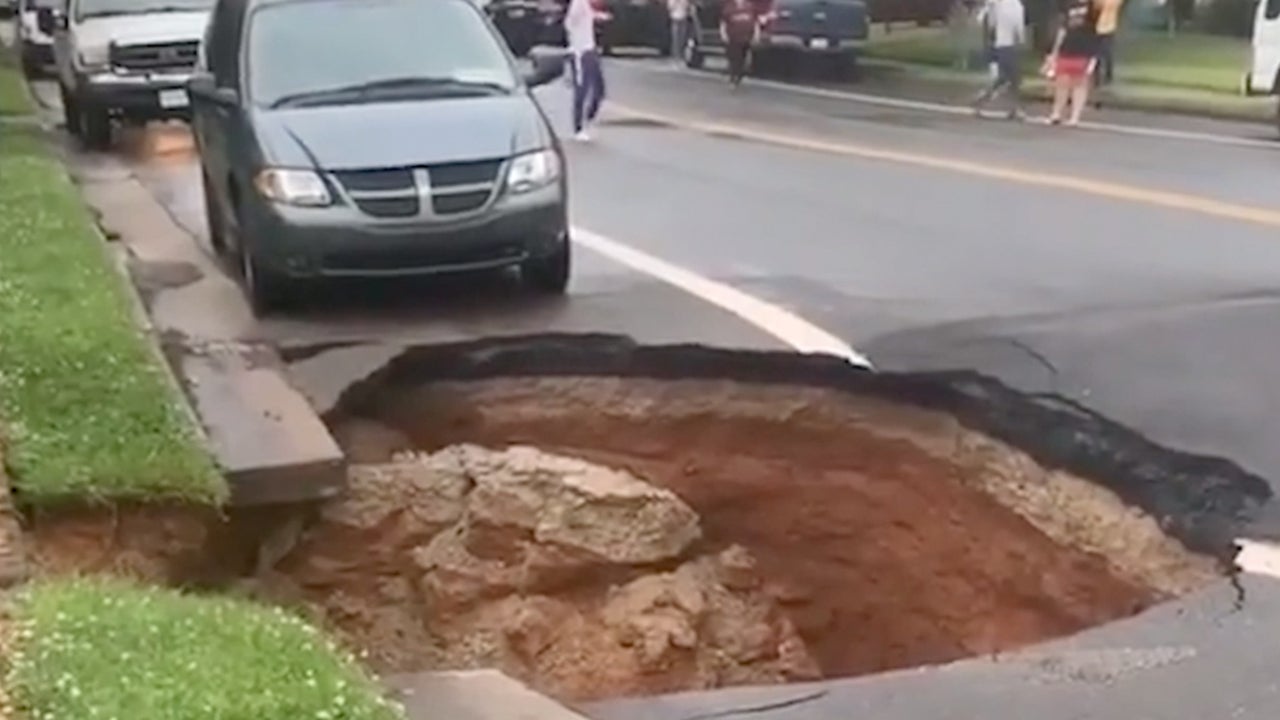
[
  {"x": 325, "y": 52},
  {"x": 107, "y": 8}
]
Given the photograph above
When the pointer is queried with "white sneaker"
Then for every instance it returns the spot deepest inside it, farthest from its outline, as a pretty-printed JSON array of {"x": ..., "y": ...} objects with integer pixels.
[{"x": 582, "y": 136}]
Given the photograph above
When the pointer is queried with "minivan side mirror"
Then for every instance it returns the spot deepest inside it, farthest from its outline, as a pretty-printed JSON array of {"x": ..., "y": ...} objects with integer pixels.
[
  {"x": 202, "y": 85},
  {"x": 548, "y": 64},
  {"x": 50, "y": 20}
]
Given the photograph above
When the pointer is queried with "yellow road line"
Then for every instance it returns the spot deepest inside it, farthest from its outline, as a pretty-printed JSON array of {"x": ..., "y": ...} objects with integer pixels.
[{"x": 1088, "y": 186}]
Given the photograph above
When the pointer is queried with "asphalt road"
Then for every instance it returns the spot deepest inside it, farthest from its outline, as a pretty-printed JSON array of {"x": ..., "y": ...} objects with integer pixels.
[{"x": 1132, "y": 269}]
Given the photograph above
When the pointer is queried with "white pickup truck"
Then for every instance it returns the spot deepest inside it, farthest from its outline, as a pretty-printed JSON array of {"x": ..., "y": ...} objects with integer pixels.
[{"x": 123, "y": 60}]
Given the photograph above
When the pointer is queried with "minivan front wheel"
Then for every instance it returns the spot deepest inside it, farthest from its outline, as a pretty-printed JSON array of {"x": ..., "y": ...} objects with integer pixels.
[
  {"x": 549, "y": 275},
  {"x": 267, "y": 291}
]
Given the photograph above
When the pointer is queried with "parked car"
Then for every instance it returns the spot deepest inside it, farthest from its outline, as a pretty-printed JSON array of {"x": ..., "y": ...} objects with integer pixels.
[
  {"x": 123, "y": 59},
  {"x": 519, "y": 21},
  {"x": 1263, "y": 76},
  {"x": 634, "y": 23},
  {"x": 35, "y": 46},
  {"x": 349, "y": 139},
  {"x": 833, "y": 30}
]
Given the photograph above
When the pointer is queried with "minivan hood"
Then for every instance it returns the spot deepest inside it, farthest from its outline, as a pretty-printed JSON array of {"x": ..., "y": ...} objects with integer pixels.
[
  {"x": 399, "y": 134},
  {"x": 142, "y": 29}
]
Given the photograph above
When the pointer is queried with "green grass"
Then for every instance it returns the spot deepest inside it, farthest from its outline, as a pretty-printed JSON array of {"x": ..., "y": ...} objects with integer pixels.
[
  {"x": 1186, "y": 61},
  {"x": 13, "y": 94},
  {"x": 104, "y": 649},
  {"x": 86, "y": 410}
]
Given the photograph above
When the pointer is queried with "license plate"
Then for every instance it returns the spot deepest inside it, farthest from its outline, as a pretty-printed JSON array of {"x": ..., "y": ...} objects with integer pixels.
[
  {"x": 515, "y": 14},
  {"x": 819, "y": 44},
  {"x": 174, "y": 99}
]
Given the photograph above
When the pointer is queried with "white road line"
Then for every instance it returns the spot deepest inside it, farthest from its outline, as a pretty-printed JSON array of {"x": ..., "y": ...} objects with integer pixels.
[
  {"x": 1260, "y": 557},
  {"x": 782, "y": 324},
  {"x": 944, "y": 109}
]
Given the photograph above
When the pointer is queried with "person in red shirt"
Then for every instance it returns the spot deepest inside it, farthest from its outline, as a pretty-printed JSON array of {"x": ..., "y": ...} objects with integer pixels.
[{"x": 739, "y": 21}]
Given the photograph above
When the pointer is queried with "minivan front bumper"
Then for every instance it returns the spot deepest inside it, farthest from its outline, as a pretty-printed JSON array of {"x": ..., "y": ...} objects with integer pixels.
[{"x": 341, "y": 242}]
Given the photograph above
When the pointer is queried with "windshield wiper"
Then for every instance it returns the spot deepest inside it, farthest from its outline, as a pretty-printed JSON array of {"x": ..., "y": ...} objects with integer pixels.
[{"x": 361, "y": 90}]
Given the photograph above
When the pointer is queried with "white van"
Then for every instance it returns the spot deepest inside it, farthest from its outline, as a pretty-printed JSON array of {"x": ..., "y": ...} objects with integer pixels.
[{"x": 1263, "y": 77}]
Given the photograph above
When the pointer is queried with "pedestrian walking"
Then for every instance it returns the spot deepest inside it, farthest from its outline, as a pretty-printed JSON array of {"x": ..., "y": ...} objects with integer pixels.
[
  {"x": 1073, "y": 58},
  {"x": 679, "y": 11},
  {"x": 584, "y": 60},
  {"x": 1108, "y": 22},
  {"x": 739, "y": 23},
  {"x": 1008, "y": 22}
]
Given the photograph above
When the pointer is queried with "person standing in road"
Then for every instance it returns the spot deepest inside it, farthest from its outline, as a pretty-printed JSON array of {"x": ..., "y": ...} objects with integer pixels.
[
  {"x": 1073, "y": 58},
  {"x": 1008, "y": 22},
  {"x": 739, "y": 22},
  {"x": 679, "y": 10},
  {"x": 1108, "y": 22},
  {"x": 584, "y": 59}
]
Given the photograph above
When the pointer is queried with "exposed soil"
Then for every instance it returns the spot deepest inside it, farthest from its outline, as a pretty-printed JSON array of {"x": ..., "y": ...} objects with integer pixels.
[
  {"x": 835, "y": 535},
  {"x": 890, "y": 536}
]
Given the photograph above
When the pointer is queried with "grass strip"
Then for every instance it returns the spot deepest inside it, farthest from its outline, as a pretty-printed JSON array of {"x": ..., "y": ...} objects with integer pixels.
[
  {"x": 13, "y": 93},
  {"x": 86, "y": 410},
  {"x": 107, "y": 649},
  {"x": 1188, "y": 61}
]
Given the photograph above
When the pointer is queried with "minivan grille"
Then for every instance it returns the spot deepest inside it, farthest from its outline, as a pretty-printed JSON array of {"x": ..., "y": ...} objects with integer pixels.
[
  {"x": 456, "y": 188},
  {"x": 162, "y": 56}
]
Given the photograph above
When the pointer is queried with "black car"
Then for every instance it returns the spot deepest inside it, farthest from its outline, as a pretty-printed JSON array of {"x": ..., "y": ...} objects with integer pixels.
[
  {"x": 831, "y": 30},
  {"x": 634, "y": 23},
  {"x": 519, "y": 21},
  {"x": 374, "y": 139}
]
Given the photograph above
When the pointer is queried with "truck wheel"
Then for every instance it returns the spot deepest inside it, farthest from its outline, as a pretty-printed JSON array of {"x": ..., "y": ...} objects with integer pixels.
[
  {"x": 95, "y": 125},
  {"x": 845, "y": 67},
  {"x": 70, "y": 111},
  {"x": 1275, "y": 90},
  {"x": 694, "y": 59},
  {"x": 30, "y": 67}
]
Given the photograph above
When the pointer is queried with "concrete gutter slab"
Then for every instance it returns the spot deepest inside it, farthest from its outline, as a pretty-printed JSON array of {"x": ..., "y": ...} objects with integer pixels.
[
  {"x": 263, "y": 432},
  {"x": 473, "y": 695}
]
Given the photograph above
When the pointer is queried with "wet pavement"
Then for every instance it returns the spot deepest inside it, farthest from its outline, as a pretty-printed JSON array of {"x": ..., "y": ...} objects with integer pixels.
[{"x": 1135, "y": 273}]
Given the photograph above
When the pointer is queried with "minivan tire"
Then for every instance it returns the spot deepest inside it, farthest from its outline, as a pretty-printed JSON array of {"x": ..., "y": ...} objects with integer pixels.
[
  {"x": 549, "y": 275},
  {"x": 268, "y": 292},
  {"x": 213, "y": 217},
  {"x": 95, "y": 126}
]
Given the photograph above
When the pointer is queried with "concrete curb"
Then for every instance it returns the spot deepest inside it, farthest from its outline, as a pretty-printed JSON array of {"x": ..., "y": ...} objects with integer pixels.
[
  {"x": 270, "y": 444},
  {"x": 473, "y": 695}
]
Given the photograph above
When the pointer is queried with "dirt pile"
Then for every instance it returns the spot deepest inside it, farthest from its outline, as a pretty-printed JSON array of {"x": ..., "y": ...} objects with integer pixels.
[{"x": 584, "y": 581}]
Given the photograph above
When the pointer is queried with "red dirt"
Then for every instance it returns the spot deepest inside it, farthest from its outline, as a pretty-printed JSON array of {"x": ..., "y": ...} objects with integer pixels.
[{"x": 881, "y": 557}]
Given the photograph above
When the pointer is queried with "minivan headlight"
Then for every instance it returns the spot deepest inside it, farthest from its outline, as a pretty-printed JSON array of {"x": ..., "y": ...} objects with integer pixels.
[
  {"x": 303, "y": 188},
  {"x": 533, "y": 170}
]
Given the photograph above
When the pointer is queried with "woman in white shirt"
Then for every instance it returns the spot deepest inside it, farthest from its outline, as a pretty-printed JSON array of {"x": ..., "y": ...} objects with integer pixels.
[{"x": 588, "y": 73}]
